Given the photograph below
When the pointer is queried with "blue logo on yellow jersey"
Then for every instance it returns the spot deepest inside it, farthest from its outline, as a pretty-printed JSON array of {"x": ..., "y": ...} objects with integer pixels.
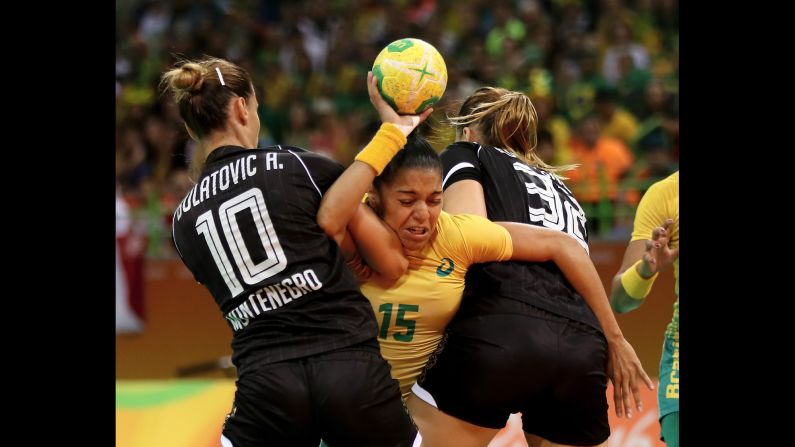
[{"x": 445, "y": 268}]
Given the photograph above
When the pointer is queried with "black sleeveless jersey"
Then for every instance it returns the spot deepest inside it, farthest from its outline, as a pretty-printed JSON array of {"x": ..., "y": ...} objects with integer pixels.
[
  {"x": 516, "y": 192},
  {"x": 248, "y": 232}
]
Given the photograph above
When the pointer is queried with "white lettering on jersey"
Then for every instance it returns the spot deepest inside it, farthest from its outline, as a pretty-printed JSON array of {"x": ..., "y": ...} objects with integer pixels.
[
  {"x": 275, "y": 296},
  {"x": 240, "y": 169},
  {"x": 556, "y": 213}
]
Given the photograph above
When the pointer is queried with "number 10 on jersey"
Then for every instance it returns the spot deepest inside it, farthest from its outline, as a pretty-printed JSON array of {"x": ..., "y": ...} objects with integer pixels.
[{"x": 251, "y": 272}]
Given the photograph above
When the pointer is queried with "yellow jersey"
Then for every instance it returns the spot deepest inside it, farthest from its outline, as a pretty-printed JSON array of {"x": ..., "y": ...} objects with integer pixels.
[{"x": 414, "y": 311}]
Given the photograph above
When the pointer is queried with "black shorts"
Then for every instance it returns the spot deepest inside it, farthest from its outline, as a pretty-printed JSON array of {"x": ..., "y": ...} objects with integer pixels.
[
  {"x": 549, "y": 368},
  {"x": 347, "y": 397}
]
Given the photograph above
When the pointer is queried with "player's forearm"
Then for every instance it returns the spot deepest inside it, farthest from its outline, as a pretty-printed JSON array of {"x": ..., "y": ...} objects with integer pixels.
[
  {"x": 343, "y": 197},
  {"x": 620, "y": 300},
  {"x": 340, "y": 202},
  {"x": 378, "y": 244},
  {"x": 578, "y": 268},
  {"x": 363, "y": 271}
]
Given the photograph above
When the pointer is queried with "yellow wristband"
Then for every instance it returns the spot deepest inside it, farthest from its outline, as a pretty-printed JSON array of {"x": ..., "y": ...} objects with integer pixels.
[
  {"x": 384, "y": 145},
  {"x": 636, "y": 286}
]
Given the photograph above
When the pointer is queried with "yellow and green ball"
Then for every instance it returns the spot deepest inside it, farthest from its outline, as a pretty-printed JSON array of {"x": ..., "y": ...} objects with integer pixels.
[{"x": 411, "y": 75}]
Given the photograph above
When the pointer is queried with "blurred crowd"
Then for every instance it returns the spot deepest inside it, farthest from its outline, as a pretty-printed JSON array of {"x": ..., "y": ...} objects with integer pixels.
[{"x": 603, "y": 75}]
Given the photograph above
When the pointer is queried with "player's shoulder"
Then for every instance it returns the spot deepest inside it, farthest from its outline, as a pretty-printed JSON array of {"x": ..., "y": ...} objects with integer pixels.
[
  {"x": 466, "y": 234},
  {"x": 668, "y": 184},
  {"x": 453, "y": 218},
  {"x": 462, "y": 223},
  {"x": 461, "y": 148},
  {"x": 554, "y": 178},
  {"x": 308, "y": 157},
  {"x": 673, "y": 179},
  {"x": 288, "y": 151}
]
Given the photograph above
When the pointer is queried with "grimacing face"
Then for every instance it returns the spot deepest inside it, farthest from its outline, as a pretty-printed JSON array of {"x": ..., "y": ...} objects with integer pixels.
[{"x": 411, "y": 205}]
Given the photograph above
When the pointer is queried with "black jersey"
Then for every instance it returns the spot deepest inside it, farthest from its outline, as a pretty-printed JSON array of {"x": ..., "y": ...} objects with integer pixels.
[
  {"x": 248, "y": 232},
  {"x": 516, "y": 192}
]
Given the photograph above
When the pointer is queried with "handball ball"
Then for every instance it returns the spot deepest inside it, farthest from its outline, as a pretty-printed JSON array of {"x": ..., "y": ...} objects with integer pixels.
[{"x": 411, "y": 75}]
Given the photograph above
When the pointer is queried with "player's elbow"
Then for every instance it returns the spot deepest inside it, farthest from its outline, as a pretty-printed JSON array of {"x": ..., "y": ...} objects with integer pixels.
[
  {"x": 331, "y": 225},
  {"x": 564, "y": 248},
  {"x": 620, "y": 307},
  {"x": 394, "y": 270},
  {"x": 620, "y": 302}
]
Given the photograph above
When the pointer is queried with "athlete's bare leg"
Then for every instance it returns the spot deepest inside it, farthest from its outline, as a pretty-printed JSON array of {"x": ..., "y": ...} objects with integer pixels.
[{"x": 439, "y": 429}]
